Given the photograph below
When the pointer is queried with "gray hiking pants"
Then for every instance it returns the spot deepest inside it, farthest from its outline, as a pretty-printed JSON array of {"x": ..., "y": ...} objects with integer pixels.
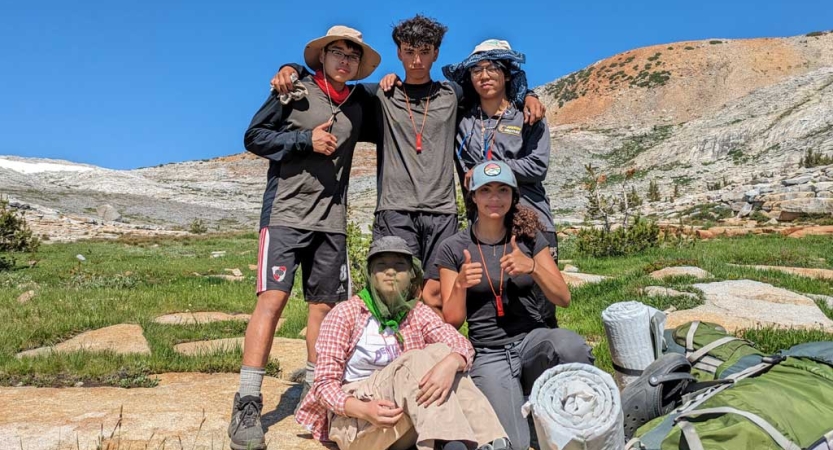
[{"x": 506, "y": 375}]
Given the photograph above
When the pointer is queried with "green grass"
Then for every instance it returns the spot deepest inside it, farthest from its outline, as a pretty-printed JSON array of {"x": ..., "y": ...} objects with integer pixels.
[
  {"x": 630, "y": 275},
  {"x": 135, "y": 281},
  {"x": 127, "y": 282}
]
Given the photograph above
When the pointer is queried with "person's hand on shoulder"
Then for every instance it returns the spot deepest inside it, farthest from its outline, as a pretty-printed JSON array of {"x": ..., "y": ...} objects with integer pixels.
[
  {"x": 534, "y": 110},
  {"x": 284, "y": 79},
  {"x": 389, "y": 81}
]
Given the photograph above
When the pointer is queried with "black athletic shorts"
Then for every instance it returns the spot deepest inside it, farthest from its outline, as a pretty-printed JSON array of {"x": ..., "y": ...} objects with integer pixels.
[
  {"x": 322, "y": 257},
  {"x": 424, "y": 232}
]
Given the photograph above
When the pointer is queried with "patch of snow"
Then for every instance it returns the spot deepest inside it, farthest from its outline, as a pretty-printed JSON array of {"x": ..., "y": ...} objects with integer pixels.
[{"x": 38, "y": 167}]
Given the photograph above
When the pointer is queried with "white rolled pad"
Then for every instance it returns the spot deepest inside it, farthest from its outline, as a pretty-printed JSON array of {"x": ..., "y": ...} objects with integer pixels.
[{"x": 576, "y": 406}]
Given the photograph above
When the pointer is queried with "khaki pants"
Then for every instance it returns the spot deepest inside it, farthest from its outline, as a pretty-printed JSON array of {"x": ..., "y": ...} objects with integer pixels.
[{"x": 466, "y": 415}]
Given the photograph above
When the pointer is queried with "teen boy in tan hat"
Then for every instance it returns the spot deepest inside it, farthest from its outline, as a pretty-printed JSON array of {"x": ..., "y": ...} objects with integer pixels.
[{"x": 308, "y": 136}]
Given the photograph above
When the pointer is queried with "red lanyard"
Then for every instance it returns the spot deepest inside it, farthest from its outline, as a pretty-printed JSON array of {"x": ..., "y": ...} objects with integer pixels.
[
  {"x": 487, "y": 146},
  {"x": 413, "y": 122},
  {"x": 499, "y": 294}
]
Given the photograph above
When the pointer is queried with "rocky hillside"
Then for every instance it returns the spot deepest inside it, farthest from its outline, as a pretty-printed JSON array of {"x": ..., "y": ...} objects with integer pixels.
[
  {"x": 66, "y": 201},
  {"x": 681, "y": 81},
  {"x": 721, "y": 126}
]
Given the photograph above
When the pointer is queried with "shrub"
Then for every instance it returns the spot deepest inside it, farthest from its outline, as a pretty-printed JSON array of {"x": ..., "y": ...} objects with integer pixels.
[
  {"x": 198, "y": 227},
  {"x": 715, "y": 42},
  {"x": 634, "y": 200},
  {"x": 689, "y": 48},
  {"x": 358, "y": 244},
  {"x": 758, "y": 216},
  {"x": 15, "y": 235},
  {"x": 462, "y": 218},
  {"x": 816, "y": 33},
  {"x": 813, "y": 159},
  {"x": 653, "y": 192},
  {"x": 639, "y": 236}
]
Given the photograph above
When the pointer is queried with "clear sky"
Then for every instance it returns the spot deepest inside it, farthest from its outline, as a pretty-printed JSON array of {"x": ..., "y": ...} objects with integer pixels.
[{"x": 130, "y": 83}]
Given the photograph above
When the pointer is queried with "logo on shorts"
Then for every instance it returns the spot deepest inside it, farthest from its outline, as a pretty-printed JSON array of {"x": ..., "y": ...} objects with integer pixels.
[
  {"x": 342, "y": 274},
  {"x": 340, "y": 289},
  {"x": 279, "y": 273},
  {"x": 492, "y": 170}
]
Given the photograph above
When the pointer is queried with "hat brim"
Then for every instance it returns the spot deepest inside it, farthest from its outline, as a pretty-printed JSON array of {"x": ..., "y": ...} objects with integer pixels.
[
  {"x": 369, "y": 62},
  {"x": 397, "y": 251}
]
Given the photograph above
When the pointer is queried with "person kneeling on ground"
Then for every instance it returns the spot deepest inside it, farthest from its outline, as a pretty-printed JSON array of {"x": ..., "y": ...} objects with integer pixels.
[
  {"x": 488, "y": 275},
  {"x": 391, "y": 373}
]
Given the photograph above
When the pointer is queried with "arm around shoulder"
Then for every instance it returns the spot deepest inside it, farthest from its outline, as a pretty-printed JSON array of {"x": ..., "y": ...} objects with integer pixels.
[{"x": 268, "y": 137}]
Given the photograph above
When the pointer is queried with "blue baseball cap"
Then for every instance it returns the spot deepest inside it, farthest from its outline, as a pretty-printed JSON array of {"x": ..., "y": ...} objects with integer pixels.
[{"x": 492, "y": 171}]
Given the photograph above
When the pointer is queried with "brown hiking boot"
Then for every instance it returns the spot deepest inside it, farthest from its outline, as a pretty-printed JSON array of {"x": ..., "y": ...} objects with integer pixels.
[{"x": 245, "y": 429}]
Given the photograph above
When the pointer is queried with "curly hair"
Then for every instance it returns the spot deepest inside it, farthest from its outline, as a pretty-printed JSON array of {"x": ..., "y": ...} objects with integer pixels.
[
  {"x": 418, "y": 32},
  {"x": 521, "y": 220}
]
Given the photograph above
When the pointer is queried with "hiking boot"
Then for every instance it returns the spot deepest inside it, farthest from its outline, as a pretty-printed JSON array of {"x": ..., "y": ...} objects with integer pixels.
[
  {"x": 497, "y": 444},
  {"x": 304, "y": 392},
  {"x": 245, "y": 429}
]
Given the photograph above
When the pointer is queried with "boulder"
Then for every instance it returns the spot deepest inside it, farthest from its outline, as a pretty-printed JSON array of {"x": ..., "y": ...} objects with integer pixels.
[
  {"x": 290, "y": 353},
  {"x": 190, "y": 318},
  {"x": 808, "y": 206},
  {"x": 797, "y": 180},
  {"x": 108, "y": 213},
  {"x": 662, "y": 291},
  {"x": 738, "y": 304},
  {"x": 25, "y": 297},
  {"x": 122, "y": 339},
  {"x": 569, "y": 268},
  {"x": 745, "y": 210},
  {"x": 824, "y": 186},
  {"x": 680, "y": 271},
  {"x": 807, "y": 231},
  {"x": 580, "y": 279},
  {"x": 800, "y": 271}
]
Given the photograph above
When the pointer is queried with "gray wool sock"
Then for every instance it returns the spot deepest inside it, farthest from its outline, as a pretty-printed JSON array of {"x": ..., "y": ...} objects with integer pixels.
[
  {"x": 310, "y": 375},
  {"x": 251, "y": 379}
]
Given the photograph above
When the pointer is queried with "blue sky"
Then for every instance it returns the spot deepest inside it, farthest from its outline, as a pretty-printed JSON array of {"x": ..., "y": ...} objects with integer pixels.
[{"x": 126, "y": 84}]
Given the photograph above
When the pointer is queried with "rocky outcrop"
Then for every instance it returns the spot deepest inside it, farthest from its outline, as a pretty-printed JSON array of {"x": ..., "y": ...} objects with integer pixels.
[
  {"x": 124, "y": 338},
  {"x": 740, "y": 304}
]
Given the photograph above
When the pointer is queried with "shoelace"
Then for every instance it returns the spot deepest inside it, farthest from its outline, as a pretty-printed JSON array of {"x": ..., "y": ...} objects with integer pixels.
[{"x": 250, "y": 413}]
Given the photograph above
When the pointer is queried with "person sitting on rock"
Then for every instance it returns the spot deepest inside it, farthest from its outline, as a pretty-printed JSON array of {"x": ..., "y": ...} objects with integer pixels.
[{"x": 391, "y": 373}]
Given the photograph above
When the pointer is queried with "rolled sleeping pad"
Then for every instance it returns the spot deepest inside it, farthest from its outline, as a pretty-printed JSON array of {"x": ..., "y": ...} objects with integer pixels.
[
  {"x": 576, "y": 406},
  {"x": 635, "y": 337}
]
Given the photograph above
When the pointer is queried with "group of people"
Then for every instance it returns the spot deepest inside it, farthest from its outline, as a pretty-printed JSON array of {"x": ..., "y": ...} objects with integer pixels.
[{"x": 387, "y": 367}]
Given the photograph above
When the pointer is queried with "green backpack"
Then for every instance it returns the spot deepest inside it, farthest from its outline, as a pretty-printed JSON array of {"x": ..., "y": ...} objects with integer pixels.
[
  {"x": 712, "y": 352},
  {"x": 747, "y": 400}
]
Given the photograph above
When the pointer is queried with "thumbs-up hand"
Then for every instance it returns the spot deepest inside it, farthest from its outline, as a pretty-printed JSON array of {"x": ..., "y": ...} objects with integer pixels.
[
  {"x": 322, "y": 140},
  {"x": 470, "y": 273},
  {"x": 516, "y": 263}
]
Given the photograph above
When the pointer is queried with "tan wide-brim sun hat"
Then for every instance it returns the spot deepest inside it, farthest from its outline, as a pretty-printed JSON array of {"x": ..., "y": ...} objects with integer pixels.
[{"x": 370, "y": 58}]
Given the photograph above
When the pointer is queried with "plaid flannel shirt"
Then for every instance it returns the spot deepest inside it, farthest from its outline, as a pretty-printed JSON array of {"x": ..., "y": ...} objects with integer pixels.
[{"x": 337, "y": 340}]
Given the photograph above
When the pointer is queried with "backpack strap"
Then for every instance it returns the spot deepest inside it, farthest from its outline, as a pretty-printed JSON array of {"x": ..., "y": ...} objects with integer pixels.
[
  {"x": 693, "y": 357},
  {"x": 689, "y": 337},
  {"x": 691, "y": 434}
]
